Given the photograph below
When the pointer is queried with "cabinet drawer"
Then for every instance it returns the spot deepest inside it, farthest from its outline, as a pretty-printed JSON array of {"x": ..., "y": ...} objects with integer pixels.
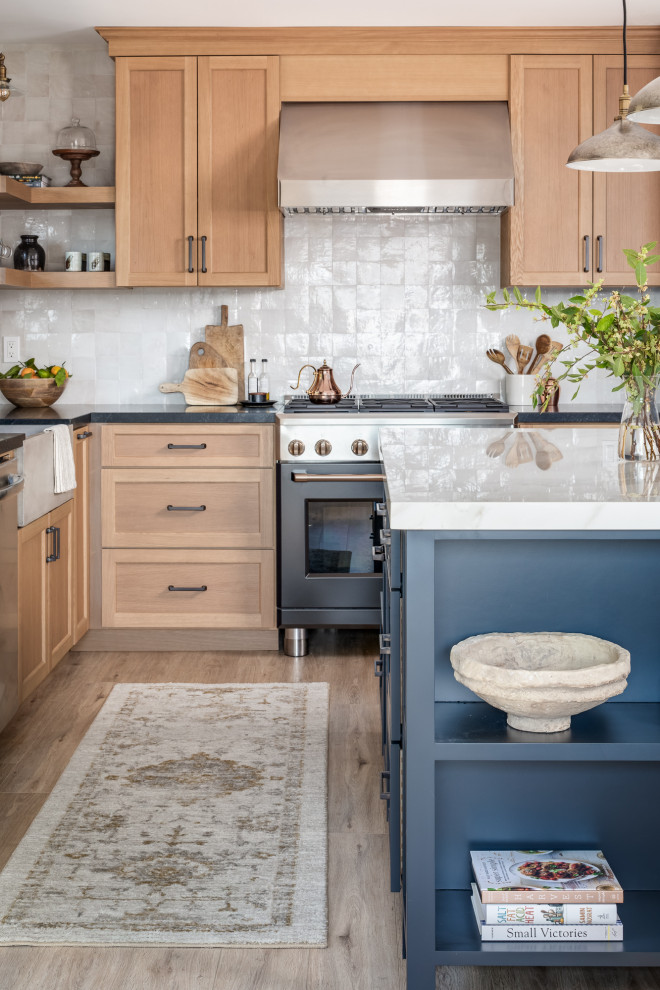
[
  {"x": 223, "y": 445},
  {"x": 193, "y": 508},
  {"x": 140, "y": 589}
]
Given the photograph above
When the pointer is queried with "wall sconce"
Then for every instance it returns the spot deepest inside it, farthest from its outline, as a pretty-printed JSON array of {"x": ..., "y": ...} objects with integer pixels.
[{"x": 5, "y": 91}]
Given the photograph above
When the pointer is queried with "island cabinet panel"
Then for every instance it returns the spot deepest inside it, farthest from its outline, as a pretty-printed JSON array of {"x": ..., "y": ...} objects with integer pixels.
[
  {"x": 214, "y": 589},
  {"x": 173, "y": 445},
  {"x": 626, "y": 206},
  {"x": 194, "y": 508},
  {"x": 239, "y": 220},
  {"x": 547, "y": 235},
  {"x": 156, "y": 170}
]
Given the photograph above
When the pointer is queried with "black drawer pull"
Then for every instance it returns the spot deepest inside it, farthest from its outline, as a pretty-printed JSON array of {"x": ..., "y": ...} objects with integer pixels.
[
  {"x": 186, "y": 446},
  {"x": 384, "y": 779},
  {"x": 83, "y": 436},
  {"x": 378, "y": 667},
  {"x": 186, "y": 508},
  {"x": 202, "y": 587}
]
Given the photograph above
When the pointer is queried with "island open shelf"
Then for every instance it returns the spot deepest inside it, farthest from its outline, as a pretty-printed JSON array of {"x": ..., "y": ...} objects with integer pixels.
[{"x": 457, "y": 942}]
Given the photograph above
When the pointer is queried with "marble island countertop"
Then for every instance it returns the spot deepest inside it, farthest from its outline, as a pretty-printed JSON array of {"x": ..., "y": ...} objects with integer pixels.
[{"x": 489, "y": 479}]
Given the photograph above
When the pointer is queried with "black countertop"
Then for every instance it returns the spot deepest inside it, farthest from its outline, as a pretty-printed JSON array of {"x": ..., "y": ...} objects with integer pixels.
[
  {"x": 606, "y": 412},
  {"x": 139, "y": 413},
  {"x": 10, "y": 441}
]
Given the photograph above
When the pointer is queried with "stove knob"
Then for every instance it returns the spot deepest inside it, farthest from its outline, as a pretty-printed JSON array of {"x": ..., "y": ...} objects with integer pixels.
[
  {"x": 296, "y": 447},
  {"x": 323, "y": 448},
  {"x": 360, "y": 447}
]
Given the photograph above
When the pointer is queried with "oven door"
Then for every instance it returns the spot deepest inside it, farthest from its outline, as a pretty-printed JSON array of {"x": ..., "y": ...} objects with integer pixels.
[{"x": 328, "y": 526}]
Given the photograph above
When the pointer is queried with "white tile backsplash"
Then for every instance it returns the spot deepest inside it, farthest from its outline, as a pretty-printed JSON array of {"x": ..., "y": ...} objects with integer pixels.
[{"x": 402, "y": 296}]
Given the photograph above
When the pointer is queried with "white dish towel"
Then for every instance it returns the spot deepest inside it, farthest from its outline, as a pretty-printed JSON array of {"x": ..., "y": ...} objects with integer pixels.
[{"x": 65, "y": 473}]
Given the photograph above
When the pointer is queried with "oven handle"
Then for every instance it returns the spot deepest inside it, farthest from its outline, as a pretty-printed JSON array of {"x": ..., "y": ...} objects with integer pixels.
[{"x": 303, "y": 476}]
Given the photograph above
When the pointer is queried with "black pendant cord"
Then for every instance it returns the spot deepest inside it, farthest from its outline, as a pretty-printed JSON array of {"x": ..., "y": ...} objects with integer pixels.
[{"x": 625, "y": 46}]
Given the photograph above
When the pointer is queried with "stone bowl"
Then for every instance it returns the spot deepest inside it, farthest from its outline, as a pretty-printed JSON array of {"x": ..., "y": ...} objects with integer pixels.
[
  {"x": 31, "y": 392},
  {"x": 541, "y": 679}
]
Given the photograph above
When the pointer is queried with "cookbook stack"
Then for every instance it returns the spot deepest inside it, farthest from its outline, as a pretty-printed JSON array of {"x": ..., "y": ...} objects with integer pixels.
[{"x": 541, "y": 895}]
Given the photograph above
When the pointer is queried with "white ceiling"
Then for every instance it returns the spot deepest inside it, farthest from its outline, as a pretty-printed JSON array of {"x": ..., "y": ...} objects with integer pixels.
[{"x": 72, "y": 20}]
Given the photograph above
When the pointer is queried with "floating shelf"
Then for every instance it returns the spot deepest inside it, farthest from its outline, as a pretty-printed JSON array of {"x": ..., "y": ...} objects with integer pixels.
[
  {"x": 17, "y": 196},
  {"x": 11, "y": 278},
  {"x": 613, "y": 732},
  {"x": 457, "y": 940}
]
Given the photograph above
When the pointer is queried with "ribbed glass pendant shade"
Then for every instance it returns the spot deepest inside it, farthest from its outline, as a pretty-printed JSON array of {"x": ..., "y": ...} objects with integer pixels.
[
  {"x": 645, "y": 105},
  {"x": 623, "y": 147}
]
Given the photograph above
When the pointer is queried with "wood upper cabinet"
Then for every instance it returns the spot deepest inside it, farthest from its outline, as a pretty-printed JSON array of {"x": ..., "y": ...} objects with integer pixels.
[
  {"x": 197, "y": 171},
  {"x": 543, "y": 235},
  {"x": 626, "y": 205},
  {"x": 45, "y": 594},
  {"x": 569, "y": 227}
]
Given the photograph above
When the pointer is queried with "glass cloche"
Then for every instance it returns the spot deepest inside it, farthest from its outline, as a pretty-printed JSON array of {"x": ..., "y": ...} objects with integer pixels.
[{"x": 76, "y": 136}]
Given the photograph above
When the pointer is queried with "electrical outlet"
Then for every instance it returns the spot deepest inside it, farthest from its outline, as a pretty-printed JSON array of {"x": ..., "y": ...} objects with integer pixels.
[{"x": 11, "y": 349}]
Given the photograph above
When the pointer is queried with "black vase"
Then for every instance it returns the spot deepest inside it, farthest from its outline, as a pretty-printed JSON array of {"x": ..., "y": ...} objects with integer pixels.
[{"x": 29, "y": 256}]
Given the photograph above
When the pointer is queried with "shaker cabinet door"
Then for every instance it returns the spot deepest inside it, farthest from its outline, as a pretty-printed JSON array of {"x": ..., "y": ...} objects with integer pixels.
[
  {"x": 156, "y": 171},
  {"x": 547, "y": 235},
  {"x": 626, "y": 205},
  {"x": 238, "y": 219}
]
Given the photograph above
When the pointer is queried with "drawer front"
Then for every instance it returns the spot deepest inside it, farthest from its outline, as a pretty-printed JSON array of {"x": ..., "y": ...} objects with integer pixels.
[
  {"x": 193, "y": 508},
  {"x": 222, "y": 445},
  {"x": 224, "y": 589}
]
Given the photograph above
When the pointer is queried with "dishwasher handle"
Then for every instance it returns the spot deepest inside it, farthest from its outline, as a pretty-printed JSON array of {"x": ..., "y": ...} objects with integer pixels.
[
  {"x": 15, "y": 485},
  {"x": 302, "y": 476}
]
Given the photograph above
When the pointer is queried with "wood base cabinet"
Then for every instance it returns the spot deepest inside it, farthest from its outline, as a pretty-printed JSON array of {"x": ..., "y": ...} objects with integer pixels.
[
  {"x": 45, "y": 595},
  {"x": 81, "y": 448},
  {"x": 197, "y": 171},
  {"x": 569, "y": 227}
]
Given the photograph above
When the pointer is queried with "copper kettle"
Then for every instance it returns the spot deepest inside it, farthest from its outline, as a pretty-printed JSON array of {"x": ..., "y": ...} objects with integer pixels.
[{"x": 324, "y": 388}]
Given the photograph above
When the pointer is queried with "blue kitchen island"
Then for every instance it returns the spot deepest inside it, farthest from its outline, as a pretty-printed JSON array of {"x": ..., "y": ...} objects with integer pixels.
[{"x": 516, "y": 532}]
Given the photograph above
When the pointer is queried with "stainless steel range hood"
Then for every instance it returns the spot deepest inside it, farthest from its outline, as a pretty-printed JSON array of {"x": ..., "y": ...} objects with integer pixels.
[{"x": 395, "y": 158}]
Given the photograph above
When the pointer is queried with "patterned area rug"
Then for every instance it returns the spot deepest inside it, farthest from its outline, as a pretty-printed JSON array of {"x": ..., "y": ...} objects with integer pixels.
[{"x": 190, "y": 814}]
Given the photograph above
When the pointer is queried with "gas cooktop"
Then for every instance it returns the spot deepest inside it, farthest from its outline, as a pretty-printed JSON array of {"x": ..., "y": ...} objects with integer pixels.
[{"x": 454, "y": 403}]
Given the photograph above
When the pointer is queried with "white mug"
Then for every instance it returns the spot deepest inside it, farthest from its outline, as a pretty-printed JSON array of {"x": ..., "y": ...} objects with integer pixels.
[
  {"x": 74, "y": 261},
  {"x": 95, "y": 261},
  {"x": 519, "y": 389}
]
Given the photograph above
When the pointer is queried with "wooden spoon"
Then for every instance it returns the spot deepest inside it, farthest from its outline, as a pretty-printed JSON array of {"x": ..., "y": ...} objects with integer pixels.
[
  {"x": 496, "y": 448},
  {"x": 512, "y": 344},
  {"x": 543, "y": 345},
  {"x": 498, "y": 358},
  {"x": 524, "y": 354}
]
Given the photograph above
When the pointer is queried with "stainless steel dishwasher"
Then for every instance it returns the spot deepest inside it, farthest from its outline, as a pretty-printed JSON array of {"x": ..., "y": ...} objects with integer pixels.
[{"x": 10, "y": 486}]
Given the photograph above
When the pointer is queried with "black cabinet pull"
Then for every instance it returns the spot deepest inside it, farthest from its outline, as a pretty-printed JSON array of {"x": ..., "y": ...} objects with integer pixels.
[
  {"x": 378, "y": 667},
  {"x": 587, "y": 241},
  {"x": 384, "y": 780},
  {"x": 84, "y": 435},
  {"x": 186, "y": 446},
  {"x": 599, "y": 263},
  {"x": 190, "y": 257},
  {"x": 202, "y": 587},
  {"x": 52, "y": 556},
  {"x": 186, "y": 508},
  {"x": 204, "y": 255}
]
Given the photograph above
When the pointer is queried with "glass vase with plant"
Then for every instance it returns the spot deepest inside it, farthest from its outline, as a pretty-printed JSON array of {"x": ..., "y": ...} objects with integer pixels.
[{"x": 618, "y": 333}]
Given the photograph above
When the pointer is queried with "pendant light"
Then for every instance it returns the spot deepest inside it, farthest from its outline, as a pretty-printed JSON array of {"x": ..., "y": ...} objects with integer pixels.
[
  {"x": 5, "y": 90},
  {"x": 624, "y": 146}
]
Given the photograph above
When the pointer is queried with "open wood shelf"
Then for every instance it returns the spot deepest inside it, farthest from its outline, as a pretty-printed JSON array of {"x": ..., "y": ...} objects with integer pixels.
[
  {"x": 17, "y": 196},
  {"x": 617, "y": 731},
  {"x": 11, "y": 278},
  {"x": 457, "y": 940}
]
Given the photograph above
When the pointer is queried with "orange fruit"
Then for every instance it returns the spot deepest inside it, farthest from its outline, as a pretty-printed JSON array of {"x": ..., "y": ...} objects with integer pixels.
[
  {"x": 27, "y": 373},
  {"x": 56, "y": 368}
]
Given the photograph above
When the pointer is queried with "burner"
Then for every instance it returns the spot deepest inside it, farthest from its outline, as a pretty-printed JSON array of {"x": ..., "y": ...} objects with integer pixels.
[{"x": 395, "y": 404}]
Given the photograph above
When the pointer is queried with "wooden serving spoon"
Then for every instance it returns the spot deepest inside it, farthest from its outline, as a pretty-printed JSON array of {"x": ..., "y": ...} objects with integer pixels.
[
  {"x": 524, "y": 354},
  {"x": 512, "y": 344},
  {"x": 498, "y": 358},
  {"x": 543, "y": 345}
]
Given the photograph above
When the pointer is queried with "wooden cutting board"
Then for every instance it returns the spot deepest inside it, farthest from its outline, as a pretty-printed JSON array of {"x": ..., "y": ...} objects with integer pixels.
[
  {"x": 207, "y": 387},
  {"x": 203, "y": 355},
  {"x": 229, "y": 342}
]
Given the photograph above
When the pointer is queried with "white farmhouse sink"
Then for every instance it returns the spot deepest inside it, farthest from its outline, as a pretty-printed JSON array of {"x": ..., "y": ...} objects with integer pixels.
[{"x": 541, "y": 679}]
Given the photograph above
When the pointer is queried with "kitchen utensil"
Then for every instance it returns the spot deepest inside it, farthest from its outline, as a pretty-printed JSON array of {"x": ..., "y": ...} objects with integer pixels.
[
  {"x": 498, "y": 358},
  {"x": 20, "y": 168},
  {"x": 324, "y": 388},
  {"x": 497, "y": 447},
  {"x": 512, "y": 344},
  {"x": 524, "y": 354},
  {"x": 207, "y": 387},
  {"x": 228, "y": 341},
  {"x": 519, "y": 453},
  {"x": 31, "y": 392},
  {"x": 203, "y": 355},
  {"x": 543, "y": 345},
  {"x": 546, "y": 452}
]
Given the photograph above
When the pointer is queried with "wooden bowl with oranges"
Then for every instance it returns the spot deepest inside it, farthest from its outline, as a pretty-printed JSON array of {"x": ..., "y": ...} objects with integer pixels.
[{"x": 27, "y": 385}]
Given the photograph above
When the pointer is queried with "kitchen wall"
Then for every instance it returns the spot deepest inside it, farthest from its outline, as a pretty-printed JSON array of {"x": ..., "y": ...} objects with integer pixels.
[{"x": 403, "y": 296}]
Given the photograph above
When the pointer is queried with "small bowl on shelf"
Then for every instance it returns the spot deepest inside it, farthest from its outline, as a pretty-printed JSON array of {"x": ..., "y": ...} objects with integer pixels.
[
  {"x": 20, "y": 168},
  {"x": 31, "y": 392}
]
